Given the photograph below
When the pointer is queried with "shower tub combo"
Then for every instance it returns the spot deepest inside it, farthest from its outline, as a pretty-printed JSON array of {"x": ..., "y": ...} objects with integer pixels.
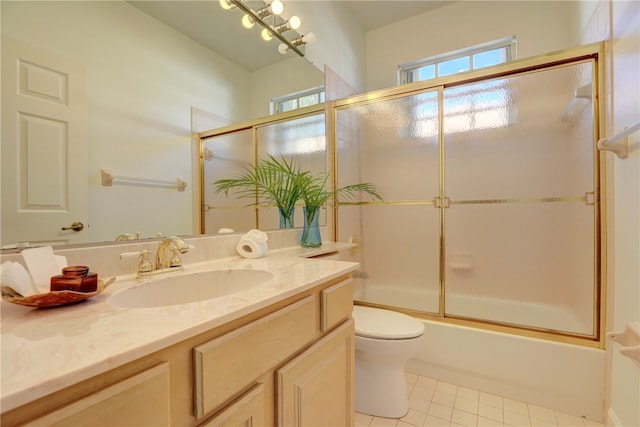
[{"x": 490, "y": 229}]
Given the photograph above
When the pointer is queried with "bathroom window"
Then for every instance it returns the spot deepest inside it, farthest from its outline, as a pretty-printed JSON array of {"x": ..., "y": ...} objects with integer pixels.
[
  {"x": 478, "y": 106},
  {"x": 467, "y": 59},
  {"x": 294, "y": 101}
]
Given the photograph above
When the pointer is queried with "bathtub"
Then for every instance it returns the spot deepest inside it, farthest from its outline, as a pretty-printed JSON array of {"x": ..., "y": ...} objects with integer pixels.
[{"x": 564, "y": 377}]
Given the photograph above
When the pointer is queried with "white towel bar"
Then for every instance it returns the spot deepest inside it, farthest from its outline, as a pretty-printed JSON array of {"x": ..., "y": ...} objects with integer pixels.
[
  {"x": 108, "y": 179},
  {"x": 619, "y": 143}
]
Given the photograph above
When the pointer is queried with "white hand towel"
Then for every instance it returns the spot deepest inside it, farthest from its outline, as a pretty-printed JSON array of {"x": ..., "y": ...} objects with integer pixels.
[
  {"x": 14, "y": 275},
  {"x": 42, "y": 265}
]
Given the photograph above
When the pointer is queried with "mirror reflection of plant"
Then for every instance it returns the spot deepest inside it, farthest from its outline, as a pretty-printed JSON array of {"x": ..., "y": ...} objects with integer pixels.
[{"x": 270, "y": 181}]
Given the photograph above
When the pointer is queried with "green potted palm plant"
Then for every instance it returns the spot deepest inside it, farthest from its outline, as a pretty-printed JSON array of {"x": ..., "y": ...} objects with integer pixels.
[
  {"x": 270, "y": 181},
  {"x": 314, "y": 194},
  {"x": 282, "y": 183}
]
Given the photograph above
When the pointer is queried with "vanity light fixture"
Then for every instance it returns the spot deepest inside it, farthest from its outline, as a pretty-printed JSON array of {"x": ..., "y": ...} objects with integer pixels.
[
  {"x": 274, "y": 8},
  {"x": 266, "y": 35},
  {"x": 292, "y": 24},
  {"x": 266, "y": 13},
  {"x": 227, "y": 5},
  {"x": 247, "y": 22},
  {"x": 308, "y": 38}
]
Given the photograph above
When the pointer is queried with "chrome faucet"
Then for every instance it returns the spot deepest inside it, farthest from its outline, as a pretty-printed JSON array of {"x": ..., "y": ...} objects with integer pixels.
[{"x": 163, "y": 252}]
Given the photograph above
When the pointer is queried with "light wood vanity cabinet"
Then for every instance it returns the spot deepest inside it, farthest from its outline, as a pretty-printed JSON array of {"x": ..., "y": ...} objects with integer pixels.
[{"x": 288, "y": 364}]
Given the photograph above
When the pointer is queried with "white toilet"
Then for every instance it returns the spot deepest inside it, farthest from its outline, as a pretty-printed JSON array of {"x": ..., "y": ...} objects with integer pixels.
[{"x": 385, "y": 341}]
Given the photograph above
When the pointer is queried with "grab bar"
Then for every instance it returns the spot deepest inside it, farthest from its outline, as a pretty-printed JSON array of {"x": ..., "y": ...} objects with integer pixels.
[
  {"x": 108, "y": 179},
  {"x": 619, "y": 143}
]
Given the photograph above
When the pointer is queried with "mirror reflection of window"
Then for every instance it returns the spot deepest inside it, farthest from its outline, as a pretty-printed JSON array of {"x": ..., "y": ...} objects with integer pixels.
[
  {"x": 297, "y": 100},
  {"x": 301, "y": 140}
]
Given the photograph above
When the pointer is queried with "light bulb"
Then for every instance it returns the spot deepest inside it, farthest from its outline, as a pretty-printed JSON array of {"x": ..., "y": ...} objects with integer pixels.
[
  {"x": 276, "y": 7},
  {"x": 294, "y": 22},
  {"x": 247, "y": 21},
  {"x": 309, "y": 38},
  {"x": 283, "y": 48},
  {"x": 266, "y": 35},
  {"x": 226, "y": 4}
]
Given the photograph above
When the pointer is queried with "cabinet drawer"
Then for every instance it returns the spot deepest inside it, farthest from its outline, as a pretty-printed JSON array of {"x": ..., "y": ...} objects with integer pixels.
[
  {"x": 246, "y": 411},
  {"x": 227, "y": 365},
  {"x": 142, "y": 400},
  {"x": 337, "y": 303}
]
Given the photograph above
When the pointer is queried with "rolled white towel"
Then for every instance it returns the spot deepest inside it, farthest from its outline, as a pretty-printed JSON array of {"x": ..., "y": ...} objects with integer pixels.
[
  {"x": 14, "y": 275},
  {"x": 256, "y": 236}
]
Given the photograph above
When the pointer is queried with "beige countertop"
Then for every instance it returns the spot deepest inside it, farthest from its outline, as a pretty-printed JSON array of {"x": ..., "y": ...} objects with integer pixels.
[{"x": 46, "y": 350}]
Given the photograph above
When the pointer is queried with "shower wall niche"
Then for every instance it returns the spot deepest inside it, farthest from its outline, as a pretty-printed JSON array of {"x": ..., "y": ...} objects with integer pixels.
[{"x": 491, "y": 189}]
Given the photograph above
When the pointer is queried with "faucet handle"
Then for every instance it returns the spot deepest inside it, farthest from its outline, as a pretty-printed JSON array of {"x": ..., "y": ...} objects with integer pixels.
[
  {"x": 145, "y": 266},
  {"x": 175, "y": 260}
]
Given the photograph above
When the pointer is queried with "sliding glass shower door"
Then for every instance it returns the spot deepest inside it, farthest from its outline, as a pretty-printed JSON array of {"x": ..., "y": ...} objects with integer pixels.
[
  {"x": 383, "y": 144},
  {"x": 491, "y": 198},
  {"x": 519, "y": 179}
]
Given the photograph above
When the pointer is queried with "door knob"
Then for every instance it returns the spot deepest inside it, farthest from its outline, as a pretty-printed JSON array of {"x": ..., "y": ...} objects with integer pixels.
[{"x": 75, "y": 226}]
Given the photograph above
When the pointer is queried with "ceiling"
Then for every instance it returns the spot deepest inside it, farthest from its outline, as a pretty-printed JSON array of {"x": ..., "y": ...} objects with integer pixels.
[
  {"x": 374, "y": 14},
  {"x": 209, "y": 25}
]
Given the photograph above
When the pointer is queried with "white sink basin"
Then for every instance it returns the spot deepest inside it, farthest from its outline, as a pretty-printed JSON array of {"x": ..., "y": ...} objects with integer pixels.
[{"x": 183, "y": 288}]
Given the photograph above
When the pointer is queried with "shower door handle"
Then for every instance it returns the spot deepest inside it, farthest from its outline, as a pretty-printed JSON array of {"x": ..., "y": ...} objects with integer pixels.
[{"x": 439, "y": 202}]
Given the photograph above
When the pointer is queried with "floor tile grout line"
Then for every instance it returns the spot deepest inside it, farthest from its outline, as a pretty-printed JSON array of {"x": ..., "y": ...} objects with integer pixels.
[{"x": 532, "y": 416}]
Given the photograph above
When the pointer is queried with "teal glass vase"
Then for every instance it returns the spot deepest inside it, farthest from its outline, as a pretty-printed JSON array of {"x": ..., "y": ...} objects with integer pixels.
[
  {"x": 311, "y": 230},
  {"x": 286, "y": 216}
]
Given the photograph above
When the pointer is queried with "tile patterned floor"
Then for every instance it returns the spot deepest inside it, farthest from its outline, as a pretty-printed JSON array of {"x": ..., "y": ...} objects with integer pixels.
[{"x": 435, "y": 403}]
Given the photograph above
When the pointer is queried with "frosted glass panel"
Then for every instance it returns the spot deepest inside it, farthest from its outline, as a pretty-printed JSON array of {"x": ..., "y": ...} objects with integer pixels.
[
  {"x": 525, "y": 264},
  {"x": 394, "y": 145},
  {"x": 226, "y": 156},
  {"x": 511, "y": 138},
  {"x": 301, "y": 141},
  {"x": 398, "y": 254},
  {"x": 519, "y": 233}
]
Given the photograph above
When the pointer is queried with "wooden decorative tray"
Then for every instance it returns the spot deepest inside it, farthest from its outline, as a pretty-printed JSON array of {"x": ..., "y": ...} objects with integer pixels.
[{"x": 53, "y": 298}]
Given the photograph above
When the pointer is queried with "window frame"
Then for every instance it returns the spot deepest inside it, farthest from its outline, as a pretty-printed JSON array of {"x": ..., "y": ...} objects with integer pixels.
[
  {"x": 405, "y": 70},
  {"x": 276, "y": 102}
]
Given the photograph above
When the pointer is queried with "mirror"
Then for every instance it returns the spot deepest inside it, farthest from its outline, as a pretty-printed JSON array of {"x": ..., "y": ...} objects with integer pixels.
[{"x": 139, "y": 88}]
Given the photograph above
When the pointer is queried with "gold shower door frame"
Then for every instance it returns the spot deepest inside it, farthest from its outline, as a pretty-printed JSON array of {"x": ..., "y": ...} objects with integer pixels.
[
  {"x": 253, "y": 126},
  {"x": 592, "y": 54}
]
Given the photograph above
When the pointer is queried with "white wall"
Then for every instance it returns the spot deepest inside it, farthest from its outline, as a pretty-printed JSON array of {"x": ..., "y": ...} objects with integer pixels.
[
  {"x": 340, "y": 40},
  {"x": 281, "y": 78},
  {"x": 143, "y": 79},
  {"x": 619, "y": 23},
  {"x": 539, "y": 26},
  {"x": 625, "y": 391}
]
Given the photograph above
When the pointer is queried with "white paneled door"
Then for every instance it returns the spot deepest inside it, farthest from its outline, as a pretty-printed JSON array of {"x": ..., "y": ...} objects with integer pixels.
[{"x": 44, "y": 147}]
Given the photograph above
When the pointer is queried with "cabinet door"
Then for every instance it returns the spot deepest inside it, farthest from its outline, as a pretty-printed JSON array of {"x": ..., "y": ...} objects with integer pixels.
[
  {"x": 316, "y": 388},
  {"x": 142, "y": 400},
  {"x": 227, "y": 365},
  {"x": 248, "y": 411}
]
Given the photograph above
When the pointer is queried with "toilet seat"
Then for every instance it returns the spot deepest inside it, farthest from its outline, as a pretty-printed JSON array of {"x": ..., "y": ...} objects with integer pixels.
[{"x": 385, "y": 324}]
